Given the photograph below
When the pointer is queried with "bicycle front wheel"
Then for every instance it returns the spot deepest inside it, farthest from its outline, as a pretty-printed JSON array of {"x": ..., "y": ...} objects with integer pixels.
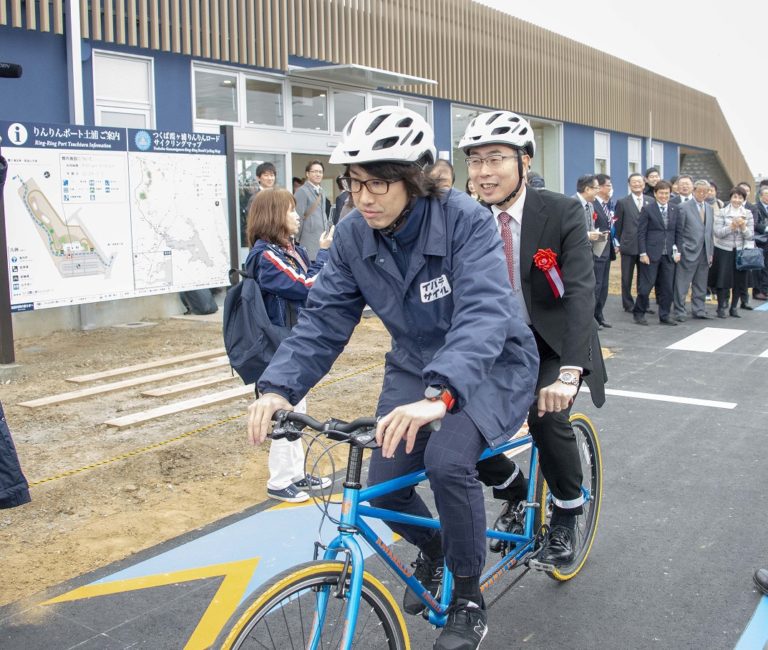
[
  {"x": 592, "y": 485},
  {"x": 282, "y": 613}
]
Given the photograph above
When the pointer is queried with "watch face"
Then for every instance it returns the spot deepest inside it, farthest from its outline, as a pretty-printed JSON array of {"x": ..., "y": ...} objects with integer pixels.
[
  {"x": 567, "y": 378},
  {"x": 432, "y": 392}
]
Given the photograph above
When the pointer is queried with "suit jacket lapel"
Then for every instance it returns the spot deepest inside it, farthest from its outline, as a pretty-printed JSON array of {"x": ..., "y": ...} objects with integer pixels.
[{"x": 534, "y": 219}]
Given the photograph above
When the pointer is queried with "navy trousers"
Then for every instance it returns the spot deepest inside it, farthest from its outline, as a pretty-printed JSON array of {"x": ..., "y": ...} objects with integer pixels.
[
  {"x": 449, "y": 456},
  {"x": 14, "y": 490}
]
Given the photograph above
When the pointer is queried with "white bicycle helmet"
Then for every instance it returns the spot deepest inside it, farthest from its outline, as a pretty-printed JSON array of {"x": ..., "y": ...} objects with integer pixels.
[
  {"x": 386, "y": 133},
  {"x": 499, "y": 127}
]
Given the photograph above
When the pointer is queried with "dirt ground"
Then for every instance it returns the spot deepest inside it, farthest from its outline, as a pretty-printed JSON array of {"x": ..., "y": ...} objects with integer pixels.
[{"x": 100, "y": 494}]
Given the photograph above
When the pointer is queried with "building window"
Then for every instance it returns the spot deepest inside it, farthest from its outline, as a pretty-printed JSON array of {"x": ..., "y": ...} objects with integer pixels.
[
  {"x": 602, "y": 152},
  {"x": 384, "y": 100},
  {"x": 309, "y": 108},
  {"x": 635, "y": 155},
  {"x": 422, "y": 108},
  {"x": 123, "y": 90},
  {"x": 216, "y": 96},
  {"x": 264, "y": 102},
  {"x": 345, "y": 106},
  {"x": 657, "y": 157}
]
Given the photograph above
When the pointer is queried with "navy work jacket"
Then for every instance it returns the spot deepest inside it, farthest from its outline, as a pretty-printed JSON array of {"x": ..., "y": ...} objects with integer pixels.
[{"x": 452, "y": 318}]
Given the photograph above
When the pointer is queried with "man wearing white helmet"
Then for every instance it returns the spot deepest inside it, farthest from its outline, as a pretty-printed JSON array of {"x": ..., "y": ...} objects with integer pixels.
[
  {"x": 551, "y": 272},
  {"x": 431, "y": 266}
]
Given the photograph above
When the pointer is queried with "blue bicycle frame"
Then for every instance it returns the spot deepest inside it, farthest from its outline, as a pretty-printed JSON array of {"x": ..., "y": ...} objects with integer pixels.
[{"x": 353, "y": 510}]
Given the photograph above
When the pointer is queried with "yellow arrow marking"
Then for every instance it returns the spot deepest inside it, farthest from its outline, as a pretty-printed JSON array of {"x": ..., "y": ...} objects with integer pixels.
[{"x": 225, "y": 601}]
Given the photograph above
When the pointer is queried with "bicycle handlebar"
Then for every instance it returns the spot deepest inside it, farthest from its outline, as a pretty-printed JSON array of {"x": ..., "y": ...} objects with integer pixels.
[{"x": 360, "y": 432}]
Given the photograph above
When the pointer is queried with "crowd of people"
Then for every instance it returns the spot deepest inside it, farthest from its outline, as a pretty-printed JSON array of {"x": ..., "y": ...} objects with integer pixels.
[{"x": 679, "y": 239}]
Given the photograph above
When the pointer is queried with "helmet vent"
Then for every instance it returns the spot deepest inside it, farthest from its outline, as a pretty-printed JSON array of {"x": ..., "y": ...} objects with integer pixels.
[
  {"x": 419, "y": 137},
  {"x": 385, "y": 143},
  {"x": 404, "y": 123},
  {"x": 501, "y": 130},
  {"x": 375, "y": 124},
  {"x": 493, "y": 118}
]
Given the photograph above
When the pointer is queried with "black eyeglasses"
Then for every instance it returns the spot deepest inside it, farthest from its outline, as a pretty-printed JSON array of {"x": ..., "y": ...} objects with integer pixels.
[{"x": 373, "y": 185}]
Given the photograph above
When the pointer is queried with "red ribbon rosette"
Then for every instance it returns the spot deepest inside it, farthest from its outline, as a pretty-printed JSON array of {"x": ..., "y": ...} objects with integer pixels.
[{"x": 545, "y": 260}]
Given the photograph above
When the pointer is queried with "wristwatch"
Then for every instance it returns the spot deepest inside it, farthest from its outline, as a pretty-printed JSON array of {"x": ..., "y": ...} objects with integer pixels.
[
  {"x": 442, "y": 394},
  {"x": 568, "y": 377}
]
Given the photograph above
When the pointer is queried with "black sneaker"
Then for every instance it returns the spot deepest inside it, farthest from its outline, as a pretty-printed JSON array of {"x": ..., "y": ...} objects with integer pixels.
[
  {"x": 508, "y": 521},
  {"x": 558, "y": 546},
  {"x": 465, "y": 628},
  {"x": 428, "y": 573}
]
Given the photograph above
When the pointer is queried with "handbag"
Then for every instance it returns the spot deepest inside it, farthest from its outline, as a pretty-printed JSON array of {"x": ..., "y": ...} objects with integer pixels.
[{"x": 749, "y": 259}]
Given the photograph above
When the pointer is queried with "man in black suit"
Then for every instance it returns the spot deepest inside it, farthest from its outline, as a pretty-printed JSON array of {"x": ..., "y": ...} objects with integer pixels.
[
  {"x": 656, "y": 241},
  {"x": 652, "y": 176},
  {"x": 558, "y": 304},
  {"x": 627, "y": 215},
  {"x": 604, "y": 209},
  {"x": 684, "y": 190}
]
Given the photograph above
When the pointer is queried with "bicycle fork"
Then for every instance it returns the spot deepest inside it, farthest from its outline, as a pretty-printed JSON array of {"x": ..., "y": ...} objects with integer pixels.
[{"x": 350, "y": 585}]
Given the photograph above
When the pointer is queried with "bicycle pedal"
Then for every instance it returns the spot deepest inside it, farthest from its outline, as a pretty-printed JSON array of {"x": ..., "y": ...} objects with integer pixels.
[{"x": 541, "y": 566}]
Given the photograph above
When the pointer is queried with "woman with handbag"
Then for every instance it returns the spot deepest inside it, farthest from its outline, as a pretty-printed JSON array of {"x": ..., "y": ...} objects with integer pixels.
[
  {"x": 733, "y": 234},
  {"x": 285, "y": 275}
]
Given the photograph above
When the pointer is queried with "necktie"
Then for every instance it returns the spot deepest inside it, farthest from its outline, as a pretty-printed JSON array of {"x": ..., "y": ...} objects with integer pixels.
[
  {"x": 639, "y": 202},
  {"x": 664, "y": 216},
  {"x": 509, "y": 251},
  {"x": 588, "y": 216},
  {"x": 701, "y": 212}
]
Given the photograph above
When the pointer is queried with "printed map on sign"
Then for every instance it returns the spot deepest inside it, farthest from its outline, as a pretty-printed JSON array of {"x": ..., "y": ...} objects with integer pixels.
[
  {"x": 179, "y": 221},
  {"x": 100, "y": 213}
]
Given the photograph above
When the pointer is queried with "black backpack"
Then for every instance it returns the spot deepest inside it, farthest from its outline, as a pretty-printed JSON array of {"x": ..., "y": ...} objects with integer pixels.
[{"x": 250, "y": 338}]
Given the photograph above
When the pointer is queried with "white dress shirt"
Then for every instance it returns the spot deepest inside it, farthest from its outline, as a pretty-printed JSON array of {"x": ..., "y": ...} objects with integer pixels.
[{"x": 515, "y": 225}]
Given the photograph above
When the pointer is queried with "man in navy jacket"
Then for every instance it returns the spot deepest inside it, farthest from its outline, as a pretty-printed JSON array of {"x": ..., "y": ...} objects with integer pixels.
[
  {"x": 658, "y": 244},
  {"x": 431, "y": 266}
]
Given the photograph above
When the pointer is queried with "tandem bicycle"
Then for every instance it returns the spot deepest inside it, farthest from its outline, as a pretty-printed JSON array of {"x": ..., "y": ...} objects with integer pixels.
[{"x": 334, "y": 602}]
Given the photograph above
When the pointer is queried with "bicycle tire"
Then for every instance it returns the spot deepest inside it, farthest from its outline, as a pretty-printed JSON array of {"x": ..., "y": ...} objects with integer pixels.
[
  {"x": 292, "y": 594},
  {"x": 586, "y": 524}
]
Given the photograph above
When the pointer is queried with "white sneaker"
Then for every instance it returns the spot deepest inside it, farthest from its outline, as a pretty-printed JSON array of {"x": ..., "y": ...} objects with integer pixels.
[{"x": 290, "y": 494}]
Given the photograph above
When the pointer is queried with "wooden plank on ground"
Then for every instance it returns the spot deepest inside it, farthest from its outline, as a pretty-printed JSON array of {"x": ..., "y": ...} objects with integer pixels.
[
  {"x": 188, "y": 385},
  {"x": 159, "y": 363},
  {"x": 177, "y": 407},
  {"x": 125, "y": 383}
]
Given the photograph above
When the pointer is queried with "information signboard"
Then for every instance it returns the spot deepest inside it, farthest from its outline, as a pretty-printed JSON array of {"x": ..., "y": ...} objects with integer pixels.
[{"x": 101, "y": 213}]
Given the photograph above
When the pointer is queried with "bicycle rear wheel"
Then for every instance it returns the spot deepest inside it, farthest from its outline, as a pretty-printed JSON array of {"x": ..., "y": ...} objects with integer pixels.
[
  {"x": 281, "y": 613},
  {"x": 592, "y": 483}
]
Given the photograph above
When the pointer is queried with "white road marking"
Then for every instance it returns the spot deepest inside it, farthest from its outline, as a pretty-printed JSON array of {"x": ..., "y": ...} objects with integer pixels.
[
  {"x": 675, "y": 399},
  {"x": 708, "y": 339},
  {"x": 764, "y": 354}
]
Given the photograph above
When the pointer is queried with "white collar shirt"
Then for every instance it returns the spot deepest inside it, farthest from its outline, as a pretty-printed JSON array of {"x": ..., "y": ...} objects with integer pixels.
[{"x": 515, "y": 211}]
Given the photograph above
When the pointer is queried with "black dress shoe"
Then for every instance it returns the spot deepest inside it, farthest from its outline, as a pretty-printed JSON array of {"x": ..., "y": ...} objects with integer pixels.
[
  {"x": 605, "y": 323},
  {"x": 761, "y": 580},
  {"x": 703, "y": 316},
  {"x": 746, "y": 306},
  {"x": 667, "y": 321},
  {"x": 721, "y": 313},
  {"x": 735, "y": 313},
  {"x": 640, "y": 321},
  {"x": 680, "y": 319},
  {"x": 650, "y": 311},
  {"x": 760, "y": 296},
  {"x": 558, "y": 546},
  {"x": 508, "y": 521}
]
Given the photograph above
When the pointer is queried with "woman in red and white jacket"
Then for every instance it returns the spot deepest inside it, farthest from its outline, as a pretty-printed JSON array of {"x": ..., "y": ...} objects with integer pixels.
[{"x": 285, "y": 275}]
